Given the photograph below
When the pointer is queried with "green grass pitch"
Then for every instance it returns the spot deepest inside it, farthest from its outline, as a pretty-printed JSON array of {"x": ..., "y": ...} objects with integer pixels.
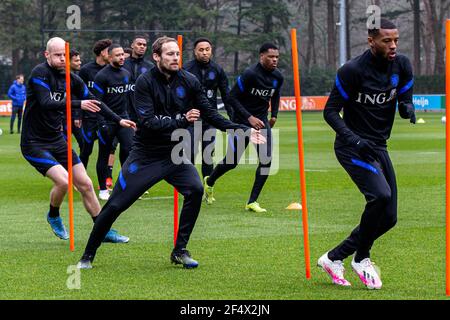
[{"x": 242, "y": 255}]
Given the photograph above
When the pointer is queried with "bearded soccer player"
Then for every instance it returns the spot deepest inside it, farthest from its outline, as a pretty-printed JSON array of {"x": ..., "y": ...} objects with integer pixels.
[
  {"x": 166, "y": 100},
  {"x": 368, "y": 88},
  {"x": 42, "y": 141},
  {"x": 88, "y": 72},
  {"x": 112, "y": 86}
]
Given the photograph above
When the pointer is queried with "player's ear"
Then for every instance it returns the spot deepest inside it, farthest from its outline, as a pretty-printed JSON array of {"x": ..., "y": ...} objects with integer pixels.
[{"x": 370, "y": 41}]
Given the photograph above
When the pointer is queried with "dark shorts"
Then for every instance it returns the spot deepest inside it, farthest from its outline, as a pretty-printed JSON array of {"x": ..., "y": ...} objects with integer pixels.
[{"x": 44, "y": 156}]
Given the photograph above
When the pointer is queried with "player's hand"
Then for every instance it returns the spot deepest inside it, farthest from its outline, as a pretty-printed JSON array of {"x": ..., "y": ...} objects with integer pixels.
[
  {"x": 256, "y": 137},
  {"x": 407, "y": 111},
  {"x": 127, "y": 124},
  {"x": 77, "y": 123},
  {"x": 366, "y": 149},
  {"x": 90, "y": 105},
  {"x": 255, "y": 123},
  {"x": 272, "y": 121},
  {"x": 193, "y": 115}
]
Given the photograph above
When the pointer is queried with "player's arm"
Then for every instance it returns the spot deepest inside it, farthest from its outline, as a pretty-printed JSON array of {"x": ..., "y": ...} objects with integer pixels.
[
  {"x": 40, "y": 85},
  {"x": 275, "y": 104},
  {"x": 11, "y": 93},
  {"x": 405, "y": 92},
  {"x": 224, "y": 89},
  {"x": 148, "y": 118},
  {"x": 210, "y": 114},
  {"x": 243, "y": 83},
  {"x": 83, "y": 91},
  {"x": 344, "y": 89}
]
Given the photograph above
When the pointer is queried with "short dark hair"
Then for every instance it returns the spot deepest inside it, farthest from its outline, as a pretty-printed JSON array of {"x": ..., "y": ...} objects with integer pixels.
[
  {"x": 157, "y": 45},
  {"x": 113, "y": 46},
  {"x": 101, "y": 45},
  {"x": 267, "y": 46},
  {"x": 384, "y": 24},
  {"x": 140, "y": 36},
  {"x": 201, "y": 39},
  {"x": 73, "y": 53},
  {"x": 19, "y": 75},
  {"x": 128, "y": 50}
]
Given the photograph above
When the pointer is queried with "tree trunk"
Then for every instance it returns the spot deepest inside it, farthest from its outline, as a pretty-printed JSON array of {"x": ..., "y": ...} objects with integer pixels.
[
  {"x": 331, "y": 26},
  {"x": 236, "y": 53},
  {"x": 416, "y": 9},
  {"x": 347, "y": 29},
  {"x": 310, "y": 51}
]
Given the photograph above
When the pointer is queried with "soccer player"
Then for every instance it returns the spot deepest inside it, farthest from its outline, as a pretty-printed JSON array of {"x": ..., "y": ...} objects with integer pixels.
[
  {"x": 165, "y": 97},
  {"x": 255, "y": 89},
  {"x": 136, "y": 65},
  {"x": 212, "y": 78},
  {"x": 75, "y": 65},
  {"x": 88, "y": 72},
  {"x": 368, "y": 88},
  {"x": 42, "y": 142},
  {"x": 111, "y": 86}
]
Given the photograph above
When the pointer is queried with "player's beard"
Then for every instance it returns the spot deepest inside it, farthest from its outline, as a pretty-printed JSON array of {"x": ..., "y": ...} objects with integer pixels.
[
  {"x": 116, "y": 64},
  {"x": 167, "y": 71}
]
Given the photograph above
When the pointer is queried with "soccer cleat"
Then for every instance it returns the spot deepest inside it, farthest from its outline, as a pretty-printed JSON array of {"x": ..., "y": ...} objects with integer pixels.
[
  {"x": 183, "y": 257},
  {"x": 209, "y": 191},
  {"x": 58, "y": 227},
  {"x": 335, "y": 270},
  {"x": 85, "y": 262},
  {"x": 367, "y": 273},
  {"x": 114, "y": 237},
  {"x": 103, "y": 195},
  {"x": 254, "y": 206},
  {"x": 109, "y": 183}
]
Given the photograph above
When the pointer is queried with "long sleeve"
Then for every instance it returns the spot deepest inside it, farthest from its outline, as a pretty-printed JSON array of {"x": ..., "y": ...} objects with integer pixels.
[
  {"x": 275, "y": 101},
  {"x": 209, "y": 113},
  {"x": 224, "y": 89},
  {"x": 239, "y": 89},
  {"x": 11, "y": 93},
  {"x": 342, "y": 90},
  {"x": 47, "y": 99},
  {"x": 148, "y": 117},
  {"x": 406, "y": 82},
  {"x": 84, "y": 92}
]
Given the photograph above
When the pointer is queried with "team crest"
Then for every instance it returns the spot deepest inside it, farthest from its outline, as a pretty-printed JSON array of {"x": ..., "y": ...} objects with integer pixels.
[
  {"x": 181, "y": 92},
  {"x": 394, "y": 80}
]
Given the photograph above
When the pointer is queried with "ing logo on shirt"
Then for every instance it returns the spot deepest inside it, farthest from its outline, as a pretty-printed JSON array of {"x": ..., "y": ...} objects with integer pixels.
[
  {"x": 262, "y": 92},
  {"x": 211, "y": 75},
  {"x": 57, "y": 96}
]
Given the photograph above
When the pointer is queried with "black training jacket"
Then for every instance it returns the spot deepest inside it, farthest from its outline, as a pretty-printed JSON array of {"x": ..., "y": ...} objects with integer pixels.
[
  {"x": 46, "y": 104},
  {"x": 368, "y": 88},
  {"x": 161, "y": 105}
]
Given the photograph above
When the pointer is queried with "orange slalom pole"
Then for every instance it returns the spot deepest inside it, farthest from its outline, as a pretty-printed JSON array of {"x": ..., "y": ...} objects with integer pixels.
[
  {"x": 447, "y": 162},
  {"x": 175, "y": 192},
  {"x": 69, "y": 147},
  {"x": 300, "y": 151}
]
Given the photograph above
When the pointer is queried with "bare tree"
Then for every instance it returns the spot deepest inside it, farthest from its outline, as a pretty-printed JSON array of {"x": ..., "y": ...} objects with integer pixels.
[
  {"x": 331, "y": 26},
  {"x": 311, "y": 48}
]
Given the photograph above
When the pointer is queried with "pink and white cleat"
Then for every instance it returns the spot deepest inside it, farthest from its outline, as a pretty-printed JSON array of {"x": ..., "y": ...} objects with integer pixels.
[
  {"x": 367, "y": 273},
  {"x": 335, "y": 270}
]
